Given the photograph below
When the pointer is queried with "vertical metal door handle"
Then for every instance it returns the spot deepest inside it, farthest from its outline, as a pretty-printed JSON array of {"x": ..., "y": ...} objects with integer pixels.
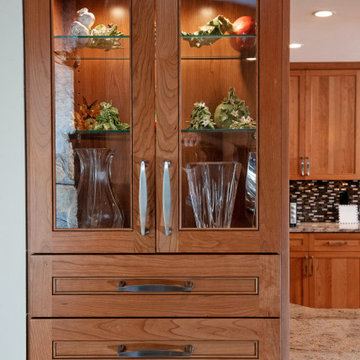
[
  {"x": 302, "y": 164},
  {"x": 306, "y": 266},
  {"x": 143, "y": 198},
  {"x": 311, "y": 266},
  {"x": 167, "y": 198},
  {"x": 307, "y": 166}
]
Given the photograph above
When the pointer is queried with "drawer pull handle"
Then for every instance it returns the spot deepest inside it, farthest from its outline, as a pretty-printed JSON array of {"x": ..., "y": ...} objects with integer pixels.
[
  {"x": 337, "y": 243},
  {"x": 156, "y": 288},
  {"x": 167, "y": 198},
  {"x": 143, "y": 198},
  {"x": 154, "y": 353}
]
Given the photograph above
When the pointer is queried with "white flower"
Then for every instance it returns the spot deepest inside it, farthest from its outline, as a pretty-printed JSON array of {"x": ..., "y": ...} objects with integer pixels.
[
  {"x": 205, "y": 123},
  {"x": 202, "y": 104},
  {"x": 246, "y": 120},
  {"x": 235, "y": 113}
]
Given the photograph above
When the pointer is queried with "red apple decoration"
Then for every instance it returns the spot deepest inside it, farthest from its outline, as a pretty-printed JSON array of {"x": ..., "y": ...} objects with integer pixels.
[{"x": 244, "y": 25}]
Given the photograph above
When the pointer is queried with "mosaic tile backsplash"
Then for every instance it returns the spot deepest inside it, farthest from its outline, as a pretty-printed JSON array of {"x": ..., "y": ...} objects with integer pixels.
[{"x": 318, "y": 201}]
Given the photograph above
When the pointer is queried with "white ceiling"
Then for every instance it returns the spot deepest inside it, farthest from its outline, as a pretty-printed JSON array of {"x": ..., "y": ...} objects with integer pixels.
[{"x": 332, "y": 39}]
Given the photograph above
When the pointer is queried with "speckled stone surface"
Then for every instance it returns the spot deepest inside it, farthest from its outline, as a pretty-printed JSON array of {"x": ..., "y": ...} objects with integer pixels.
[
  {"x": 323, "y": 227},
  {"x": 324, "y": 334}
]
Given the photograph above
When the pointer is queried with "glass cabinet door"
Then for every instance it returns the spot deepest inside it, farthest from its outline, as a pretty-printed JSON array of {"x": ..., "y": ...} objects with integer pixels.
[
  {"x": 102, "y": 187},
  {"x": 225, "y": 167}
]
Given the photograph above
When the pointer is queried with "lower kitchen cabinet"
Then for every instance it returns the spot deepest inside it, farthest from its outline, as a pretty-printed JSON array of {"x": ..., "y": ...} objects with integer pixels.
[
  {"x": 299, "y": 286},
  {"x": 154, "y": 338},
  {"x": 327, "y": 274}
]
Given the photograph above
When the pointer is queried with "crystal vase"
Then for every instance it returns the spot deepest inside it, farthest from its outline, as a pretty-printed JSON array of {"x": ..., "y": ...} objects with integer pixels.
[
  {"x": 212, "y": 188},
  {"x": 97, "y": 207}
]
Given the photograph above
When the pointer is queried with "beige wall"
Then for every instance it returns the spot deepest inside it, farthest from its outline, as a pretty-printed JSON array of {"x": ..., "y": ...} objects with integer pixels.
[{"x": 12, "y": 184}]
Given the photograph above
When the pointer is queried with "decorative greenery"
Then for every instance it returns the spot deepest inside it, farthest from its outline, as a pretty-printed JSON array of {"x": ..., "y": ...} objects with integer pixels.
[
  {"x": 105, "y": 43},
  {"x": 96, "y": 116},
  {"x": 201, "y": 117},
  {"x": 218, "y": 26},
  {"x": 233, "y": 113}
]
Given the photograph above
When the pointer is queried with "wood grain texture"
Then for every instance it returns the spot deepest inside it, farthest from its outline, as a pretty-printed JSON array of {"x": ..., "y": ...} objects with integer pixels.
[
  {"x": 167, "y": 110},
  {"x": 297, "y": 123},
  {"x": 335, "y": 282},
  {"x": 267, "y": 239},
  {"x": 332, "y": 124},
  {"x": 216, "y": 301},
  {"x": 212, "y": 338},
  {"x": 143, "y": 96},
  {"x": 42, "y": 238},
  {"x": 299, "y": 281},
  {"x": 285, "y": 150},
  {"x": 337, "y": 242},
  {"x": 299, "y": 242}
]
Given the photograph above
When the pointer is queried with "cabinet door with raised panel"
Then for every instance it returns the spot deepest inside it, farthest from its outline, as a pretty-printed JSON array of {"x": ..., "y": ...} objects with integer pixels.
[
  {"x": 299, "y": 270},
  {"x": 219, "y": 150},
  {"x": 334, "y": 280},
  {"x": 90, "y": 95},
  {"x": 297, "y": 125},
  {"x": 332, "y": 124}
]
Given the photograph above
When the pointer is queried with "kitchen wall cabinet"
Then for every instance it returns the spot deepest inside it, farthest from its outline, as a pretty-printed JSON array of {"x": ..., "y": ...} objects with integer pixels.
[
  {"x": 324, "y": 123},
  {"x": 326, "y": 274},
  {"x": 133, "y": 211}
]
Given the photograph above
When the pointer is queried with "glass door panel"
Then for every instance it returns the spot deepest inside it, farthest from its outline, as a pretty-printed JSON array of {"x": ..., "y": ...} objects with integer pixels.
[
  {"x": 218, "y": 114},
  {"x": 92, "y": 114}
]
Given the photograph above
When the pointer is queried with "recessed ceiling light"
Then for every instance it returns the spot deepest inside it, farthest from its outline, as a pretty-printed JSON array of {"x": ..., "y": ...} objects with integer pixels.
[
  {"x": 323, "y": 13},
  {"x": 251, "y": 59},
  {"x": 296, "y": 45}
]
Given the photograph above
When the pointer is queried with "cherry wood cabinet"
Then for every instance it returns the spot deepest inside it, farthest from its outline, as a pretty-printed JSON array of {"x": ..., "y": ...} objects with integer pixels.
[
  {"x": 143, "y": 217},
  {"x": 111, "y": 338},
  {"x": 166, "y": 286},
  {"x": 325, "y": 274},
  {"x": 324, "y": 122}
]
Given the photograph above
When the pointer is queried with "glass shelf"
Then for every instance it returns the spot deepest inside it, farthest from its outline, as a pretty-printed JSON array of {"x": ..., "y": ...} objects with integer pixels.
[
  {"x": 218, "y": 130},
  {"x": 101, "y": 131},
  {"x": 91, "y": 37},
  {"x": 218, "y": 36}
]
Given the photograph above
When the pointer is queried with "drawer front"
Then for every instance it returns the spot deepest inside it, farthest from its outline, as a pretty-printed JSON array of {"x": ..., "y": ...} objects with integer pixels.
[
  {"x": 154, "y": 338},
  {"x": 154, "y": 286},
  {"x": 299, "y": 242},
  {"x": 335, "y": 242}
]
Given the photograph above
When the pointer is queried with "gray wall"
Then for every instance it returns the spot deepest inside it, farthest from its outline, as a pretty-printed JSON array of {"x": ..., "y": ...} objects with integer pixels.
[{"x": 12, "y": 184}]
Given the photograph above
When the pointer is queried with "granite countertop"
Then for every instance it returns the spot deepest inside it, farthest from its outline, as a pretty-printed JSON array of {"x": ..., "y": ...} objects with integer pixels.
[
  {"x": 324, "y": 334},
  {"x": 322, "y": 227}
]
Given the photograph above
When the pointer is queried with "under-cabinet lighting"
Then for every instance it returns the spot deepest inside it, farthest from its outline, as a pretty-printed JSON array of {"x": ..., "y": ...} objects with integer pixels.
[
  {"x": 251, "y": 59},
  {"x": 296, "y": 45},
  {"x": 323, "y": 13}
]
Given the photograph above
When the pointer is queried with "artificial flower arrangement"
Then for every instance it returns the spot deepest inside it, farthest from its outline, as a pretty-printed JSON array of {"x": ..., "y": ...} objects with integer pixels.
[
  {"x": 232, "y": 113},
  {"x": 97, "y": 116},
  {"x": 219, "y": 26},
  {"x": 82, "y": 27}
]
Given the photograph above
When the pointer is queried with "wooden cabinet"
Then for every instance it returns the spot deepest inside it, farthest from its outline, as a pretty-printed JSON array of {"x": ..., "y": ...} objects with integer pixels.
[
  {"x": 324, "y": 123},
  {"x": 153, "y": 163},
  {"x": 158, "y": 338},
  {"x": 327, "y": 274}
]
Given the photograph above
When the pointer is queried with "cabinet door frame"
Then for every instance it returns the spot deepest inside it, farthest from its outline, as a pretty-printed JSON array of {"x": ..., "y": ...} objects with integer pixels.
[
  {"x": 42, "y": 237},
  {"x": 302, "y": 256},
  {"x": 308, "y": 126},
  {"x": 299, "y": 154},
  {"x": 272, "y": 137},
  {"x": 313, "y": 279}
]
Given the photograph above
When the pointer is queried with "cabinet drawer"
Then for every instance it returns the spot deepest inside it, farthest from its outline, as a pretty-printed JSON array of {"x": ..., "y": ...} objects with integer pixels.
[
  {"x": 164, "y": 285},
  {"x": 156, "y": 338},
  {"x": 299, "y": 242},
  {"x": 335, "y": 242}
]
